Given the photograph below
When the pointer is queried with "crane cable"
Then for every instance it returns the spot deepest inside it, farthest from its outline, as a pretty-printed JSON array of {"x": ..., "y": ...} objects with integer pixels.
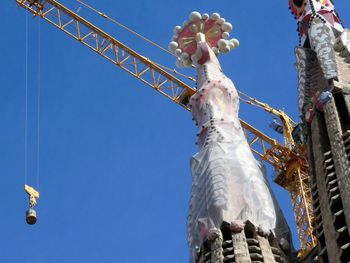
[
  {"x": 176, "y": 72},
  {"x": 104, "y": 15},
  {"x": 26, "y": 105},
  {"x": 125, "y": 27},
  {"x": 250, "y": 100},
  {"x": 254, "y": 102},
  {"x": 38, "y": 107}
]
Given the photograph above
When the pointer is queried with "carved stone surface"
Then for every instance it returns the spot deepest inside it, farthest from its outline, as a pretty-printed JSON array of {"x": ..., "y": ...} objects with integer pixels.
[
  {"x": 321, "y": 43},
  {"x": 342, "y": 165},
  {"x": 240, "y": 248},
  {"x": 326, "y": 228},
  {"x": 249, "y": 245},
  {"x": 216, "y": 249},
  {"x": 311, "y": 80},
  {"x": 323, "y": 65},
  {"x": 266, "y": 250},
  {"x": 329, "y": 168}
]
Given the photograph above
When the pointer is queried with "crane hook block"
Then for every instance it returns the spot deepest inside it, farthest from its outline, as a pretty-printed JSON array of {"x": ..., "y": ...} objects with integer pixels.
[{"x": 33, "y": 197}]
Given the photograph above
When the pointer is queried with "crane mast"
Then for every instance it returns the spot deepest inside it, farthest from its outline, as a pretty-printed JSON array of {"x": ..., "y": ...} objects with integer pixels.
[
  {"x": 287, "y": 160},
  {"x": 294, "y": 177}
]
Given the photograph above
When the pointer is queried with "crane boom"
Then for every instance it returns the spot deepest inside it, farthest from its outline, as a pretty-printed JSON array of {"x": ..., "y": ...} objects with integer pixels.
[
  {"x": 280, "y": 157},
  {"x": 110, "y": 48},
  {"x": 142, "y": 68}
]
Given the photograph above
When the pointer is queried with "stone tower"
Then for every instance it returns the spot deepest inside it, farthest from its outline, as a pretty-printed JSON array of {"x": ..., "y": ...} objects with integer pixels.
[
  {"x": 323, "y": 66},
  {"x": 232, "y": 214}
]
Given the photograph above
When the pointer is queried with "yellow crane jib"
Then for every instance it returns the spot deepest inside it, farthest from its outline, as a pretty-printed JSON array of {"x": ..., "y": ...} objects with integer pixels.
[{"x": 33, "y": 197}]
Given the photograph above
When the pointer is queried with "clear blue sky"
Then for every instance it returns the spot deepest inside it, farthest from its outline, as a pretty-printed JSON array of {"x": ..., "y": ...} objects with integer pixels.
[{"x": 114, "y": 154}]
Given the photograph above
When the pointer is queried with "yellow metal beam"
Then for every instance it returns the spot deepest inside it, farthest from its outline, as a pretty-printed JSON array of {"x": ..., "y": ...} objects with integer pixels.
[{"x": 298, "y": 185}]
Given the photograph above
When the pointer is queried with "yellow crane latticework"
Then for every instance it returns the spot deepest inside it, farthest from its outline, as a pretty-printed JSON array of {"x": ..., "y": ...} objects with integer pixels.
[
  {"x": 287, "y": 123},
  {"x": 294, "y": 177},
  {"x": 296, "y": 180},
  {"x": 291, "y": 173}
]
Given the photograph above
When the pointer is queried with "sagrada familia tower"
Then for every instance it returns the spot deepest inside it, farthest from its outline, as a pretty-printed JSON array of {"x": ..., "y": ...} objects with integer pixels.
[
  {"x": 233, "y": 214},
  {"x": 323, "y": 66}
]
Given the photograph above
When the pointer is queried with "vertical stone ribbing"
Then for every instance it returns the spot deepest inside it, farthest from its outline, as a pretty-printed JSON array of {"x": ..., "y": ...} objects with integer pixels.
[
  {"x": 266, "y": 250},
  {"x": 248, "y": 245},
  {"x": 324, "y": 103},
  {"x": 342, "y": 165},
  {"x": 240, "y": 248},
  {"x": 216, "y": 247},
  {"x": 325, "y": 223},
  {"x": 347, "y": 101},
  {"x": 317, "y": 224}
]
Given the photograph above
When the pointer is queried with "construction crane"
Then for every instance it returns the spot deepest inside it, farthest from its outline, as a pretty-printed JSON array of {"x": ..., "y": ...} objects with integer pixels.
[
  {"x": 288, "y": 160},
  {"x": 293, "y": 177}
]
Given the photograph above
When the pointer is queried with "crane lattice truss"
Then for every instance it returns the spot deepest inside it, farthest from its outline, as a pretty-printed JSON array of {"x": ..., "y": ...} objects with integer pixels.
[
  {"x": 297, "y": 181},
  {"x": 151, "y": 74}
]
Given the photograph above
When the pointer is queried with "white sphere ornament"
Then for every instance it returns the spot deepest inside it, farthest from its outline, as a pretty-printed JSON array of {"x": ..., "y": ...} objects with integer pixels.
[
  {"x": 221, "y": 20},
  {"x": 177, "y": 29},
  {"x": 178, "y": 52},
  {"x": 174, "y": 38},
  {"x": 215, "y": 16},
  {"x": 172, "y": 46},
  {"x": 195, "y": 16},
  {"x": 232, "y": 45},
  {"x": 226, "y": 26},
  {"x": 205, "y": 16},
  {"x": 235, "y": 42},
  {"x": 222, "y": 43},
  {"x": 225, "y": 35},
  {"x": 225, "y": 49}
]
